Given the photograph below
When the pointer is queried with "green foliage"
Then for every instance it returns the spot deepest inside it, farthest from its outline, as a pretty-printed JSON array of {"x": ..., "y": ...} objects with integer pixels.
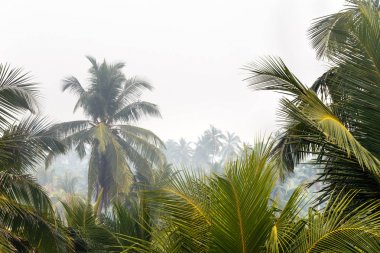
[
  {"x": 17, "y": 94},
  {"x": 234, "y": 212},
  {"x": 27, "y": 218},
  {"x": 336, "y": 121},
  {"x": 86, "y": 228}
]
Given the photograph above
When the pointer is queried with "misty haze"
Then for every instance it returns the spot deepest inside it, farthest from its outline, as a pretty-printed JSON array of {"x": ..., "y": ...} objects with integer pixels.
[{"x": 190, "y": 126}]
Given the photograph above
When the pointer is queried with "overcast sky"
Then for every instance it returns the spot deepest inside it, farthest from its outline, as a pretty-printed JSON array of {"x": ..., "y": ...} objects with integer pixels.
[{"x": 191, "y": 52}]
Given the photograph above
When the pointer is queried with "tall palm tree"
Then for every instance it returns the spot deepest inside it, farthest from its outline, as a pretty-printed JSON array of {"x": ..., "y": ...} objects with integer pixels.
[
  {"x": 202, "y": 152},
  {"x": 337, "y": 119},
  {"x": 27, "y": 219},
  {"x": 170, "y": 151},
  {"x": 215, "y": 138},
  {"x": 231, "y": 147},
  {"x": 119, "y": 148},
  {"x": 184, "y": 152},
  {"x": 179, "y": 153}
]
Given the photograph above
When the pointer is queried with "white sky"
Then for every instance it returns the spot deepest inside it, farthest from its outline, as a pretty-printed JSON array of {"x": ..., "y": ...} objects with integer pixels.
[{"x": 191, "y": 52}]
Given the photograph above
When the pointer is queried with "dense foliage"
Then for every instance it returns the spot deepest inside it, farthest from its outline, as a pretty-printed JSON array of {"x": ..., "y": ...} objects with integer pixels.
[
  {"x": 137, "y": 202},
  {"x": 337, "y": 119},
  {"x": 27, "y": 217}
]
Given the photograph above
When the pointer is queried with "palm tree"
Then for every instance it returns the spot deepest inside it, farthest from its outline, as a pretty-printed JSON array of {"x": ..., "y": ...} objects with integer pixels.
[
  {"x": 185, "y": 151},
  {"x": 231, "y": 147},
  {"x": 202, "y": 152},
  {"x": 215, "y": 139},
  {"x": 179, "y": 153},
  {"x": 118, "y": 147},
  {"x": 170, "y": 150},
  {"x": 234, "y": 212},
  {"x": 27, "y": 218},
  {"x": 336, "y": 120}
]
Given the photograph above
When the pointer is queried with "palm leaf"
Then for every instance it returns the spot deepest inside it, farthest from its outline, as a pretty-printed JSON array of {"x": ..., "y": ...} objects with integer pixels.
[{"x": 17, "y": 93}]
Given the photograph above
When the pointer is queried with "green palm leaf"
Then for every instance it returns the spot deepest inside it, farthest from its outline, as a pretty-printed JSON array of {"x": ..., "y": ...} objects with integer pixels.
[{"x": 17, "y": 93}]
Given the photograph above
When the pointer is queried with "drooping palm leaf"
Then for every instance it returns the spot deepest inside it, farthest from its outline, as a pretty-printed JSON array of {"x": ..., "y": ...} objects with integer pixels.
[
  {"x": 17, "y": 93},
  {"x": 28, "y": 143},
  {"x": 27, "y": 213}
]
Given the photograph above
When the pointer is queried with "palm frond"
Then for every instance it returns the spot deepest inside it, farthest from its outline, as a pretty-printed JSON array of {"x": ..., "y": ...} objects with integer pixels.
[
  {"x": 73, "y": 85},
  {"x": 28, "y": 143},
  {"x": 26, "y": 212},
  {"x": 136, "y": 111},
  {"x": 341, "y": 229},
  {"x": 310, "y": 110},
  {"x": 17, "y": 93},
  {"x": 132, "y": 90},
  {"x": 141, "y": 132},
  {"x": 91, "y": 234}
]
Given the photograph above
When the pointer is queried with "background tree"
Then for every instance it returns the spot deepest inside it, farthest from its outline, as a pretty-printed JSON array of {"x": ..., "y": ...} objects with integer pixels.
[
  {"x": 170, "y": 151},
  {"x": 215, "y": 139},
  {"x": 118, "y": 147},
  {"x": 185, "y": 151},
  {"x": 179, "y": 153},
  {"x": 202, "y": 152},
  {"x": 231, "y": 147},
  {"x": 210, "y": 152}
]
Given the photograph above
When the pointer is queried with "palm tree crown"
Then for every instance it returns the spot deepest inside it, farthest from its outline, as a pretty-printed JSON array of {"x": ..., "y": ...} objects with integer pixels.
[{"x": 231, "y": 146}]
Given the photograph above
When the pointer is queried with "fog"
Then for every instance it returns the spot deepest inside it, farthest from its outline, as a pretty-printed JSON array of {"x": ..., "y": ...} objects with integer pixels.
[{"x": 192, "y": 52}]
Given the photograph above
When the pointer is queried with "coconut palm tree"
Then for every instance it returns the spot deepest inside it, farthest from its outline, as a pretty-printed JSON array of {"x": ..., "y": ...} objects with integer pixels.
[
  {"x": 170, "y": 151},
  {"x": 202, "y": 152},
  {"x": 184, "y": 152},
  {"x": 231, "y": 147},
  {"x": 179, "y": 153},
  {"x": 27, "y": 219},
  {"x": 336, "y": 120},
  {"x": 215, "y": 139},
  {"x": 119, "y": 148}
]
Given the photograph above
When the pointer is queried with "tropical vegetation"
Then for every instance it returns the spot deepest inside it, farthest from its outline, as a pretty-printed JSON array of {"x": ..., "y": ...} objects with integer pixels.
[
  {"x": 27, "y": 217},
  {"x": 335, "y": 120},
  {"x": 236, "y": 200}
]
